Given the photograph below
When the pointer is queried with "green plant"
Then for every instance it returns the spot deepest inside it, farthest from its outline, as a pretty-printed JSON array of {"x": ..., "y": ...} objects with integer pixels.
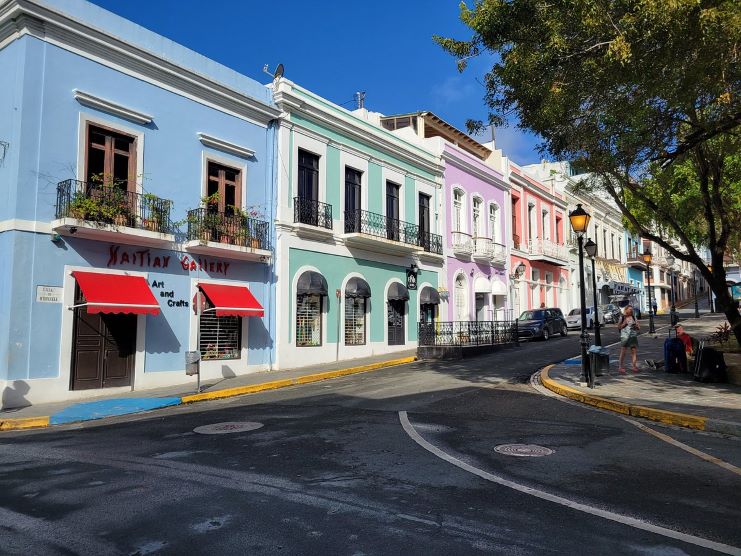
[
  {"x": 211, "y": 200},
  {"x": 85, "y": 207},
  {"x": 722, "y": 333}
]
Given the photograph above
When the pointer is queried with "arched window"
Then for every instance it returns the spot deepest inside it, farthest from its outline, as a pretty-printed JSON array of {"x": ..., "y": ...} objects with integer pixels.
[
  {"x": 461, "y": 299},
  {"x": 311, "y": 288},
  {"x": 494, "y": 223},
  {"x": 477, "y": 218},
  {"x": 357, "y": 293},
  {"x": 457, "y": 210}
]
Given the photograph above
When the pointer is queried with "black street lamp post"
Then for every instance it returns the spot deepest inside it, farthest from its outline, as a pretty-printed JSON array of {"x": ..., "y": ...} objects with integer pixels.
[
  {"x": 710, "y": 291},
  {"x": 694, "y": 293},
  {"x": 591, "y": 248},
  {"x": 647, "y": 260},
  {"x": 579, "y": 219},
  {"x": 673, "y": 311}
]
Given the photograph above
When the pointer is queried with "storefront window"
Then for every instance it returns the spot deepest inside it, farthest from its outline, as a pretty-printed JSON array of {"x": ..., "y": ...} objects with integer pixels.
[
  {"x": 355, "y": 321},
  {"x": 221, "y": 337},
  {"x": 308, "y": 320}
]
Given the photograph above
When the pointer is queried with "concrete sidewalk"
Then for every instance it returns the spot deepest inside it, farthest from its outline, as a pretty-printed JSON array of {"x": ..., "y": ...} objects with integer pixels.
[
  {"x": 43, "y": 415},
  {"x": 670, "y": 398}
]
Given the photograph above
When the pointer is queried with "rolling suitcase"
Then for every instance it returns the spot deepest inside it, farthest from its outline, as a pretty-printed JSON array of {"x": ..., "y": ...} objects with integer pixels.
[{"x": 675, "y": 358}]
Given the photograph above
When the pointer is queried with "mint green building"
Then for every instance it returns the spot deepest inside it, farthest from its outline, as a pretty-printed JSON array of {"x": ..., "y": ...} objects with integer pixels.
[{"x": 358, "y": 226}]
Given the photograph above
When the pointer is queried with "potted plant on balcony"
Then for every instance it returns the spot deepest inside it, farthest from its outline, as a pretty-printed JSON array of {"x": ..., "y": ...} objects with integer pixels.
[
  {"x": 84, "y": 207},
  {"x": 117, "y": 204}
]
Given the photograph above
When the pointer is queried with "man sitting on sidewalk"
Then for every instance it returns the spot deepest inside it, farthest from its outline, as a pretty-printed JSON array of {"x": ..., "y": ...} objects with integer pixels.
[{"x": 680, "y": 361}]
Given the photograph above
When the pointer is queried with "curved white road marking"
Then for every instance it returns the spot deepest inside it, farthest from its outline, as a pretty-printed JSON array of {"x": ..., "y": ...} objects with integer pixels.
[{"x": 612, "y": 516}]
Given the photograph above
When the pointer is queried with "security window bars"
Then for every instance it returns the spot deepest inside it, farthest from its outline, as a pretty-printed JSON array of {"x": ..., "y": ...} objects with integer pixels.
[
  {"x": 354, "y": 321},
  {"x": 308, "y": 320},
  {"x": 221, "y": 337}
]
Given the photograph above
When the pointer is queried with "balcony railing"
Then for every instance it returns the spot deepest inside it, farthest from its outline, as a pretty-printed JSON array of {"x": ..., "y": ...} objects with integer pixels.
[
  {"x": 462, "y": 243},
  {"x": 498, "y": 253},
  {"x": 482, "y": 248},
  {"x": 311, "y": 212},
  {"x": 205, "y": 225},
  {"x": 108, "y": 204},
  {"x": 381, "y": 226},
  {"x": 547, "y": 248},
  {"x": 463, "y": 333}
]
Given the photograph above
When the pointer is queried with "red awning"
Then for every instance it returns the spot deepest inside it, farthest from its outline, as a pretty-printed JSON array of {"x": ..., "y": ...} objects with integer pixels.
[
  {"x": 232, "y": 301},
  {"x": 116, "y": 293}
]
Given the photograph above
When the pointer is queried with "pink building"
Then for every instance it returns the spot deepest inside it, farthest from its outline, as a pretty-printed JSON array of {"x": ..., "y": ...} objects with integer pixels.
[{"x": 539, "y": 256}]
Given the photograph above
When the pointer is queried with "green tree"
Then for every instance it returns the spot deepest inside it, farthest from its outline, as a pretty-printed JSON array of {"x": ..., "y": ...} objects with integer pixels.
[{"x": 644, "y": 94}]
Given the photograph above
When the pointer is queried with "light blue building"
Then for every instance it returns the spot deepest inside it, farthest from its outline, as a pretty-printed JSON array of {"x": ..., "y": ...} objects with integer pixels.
[
  {"x": 636, "y": 269},
  {"x": 134, "y": 173}
]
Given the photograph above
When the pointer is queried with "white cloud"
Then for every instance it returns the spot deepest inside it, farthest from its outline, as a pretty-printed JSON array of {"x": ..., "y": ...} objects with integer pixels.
[{"x": 453, "y": 90}]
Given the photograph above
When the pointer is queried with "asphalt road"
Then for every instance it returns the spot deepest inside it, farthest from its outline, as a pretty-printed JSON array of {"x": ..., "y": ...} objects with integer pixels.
[{"x": 334, "y": 469}]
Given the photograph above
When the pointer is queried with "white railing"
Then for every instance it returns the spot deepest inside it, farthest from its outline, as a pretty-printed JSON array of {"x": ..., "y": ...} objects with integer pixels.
[
  {"x": 498, "y": 253},
  {"x": 482, "y": 248},
  {"x": 547, "y": 248},
  {"x": 462, "y": 243}
]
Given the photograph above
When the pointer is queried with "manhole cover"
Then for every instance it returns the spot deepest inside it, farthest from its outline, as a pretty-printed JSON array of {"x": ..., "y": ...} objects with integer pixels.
[
  {"x": 228, "y": 428},
  {"x": 523, "y": 450}
]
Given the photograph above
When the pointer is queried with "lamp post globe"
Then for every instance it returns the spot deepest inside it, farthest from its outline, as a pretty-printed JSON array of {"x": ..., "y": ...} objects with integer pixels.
[{"x": 579, "y": 219}]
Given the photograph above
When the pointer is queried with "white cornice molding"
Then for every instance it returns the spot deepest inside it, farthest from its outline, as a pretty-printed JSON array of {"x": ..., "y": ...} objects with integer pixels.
[
  {"x": 225, "y": 146},
  {"x": 393, "y": 147},
  {"x": 473, "y": 170},
  {"x": 525, "y": 185},
  {"x": 24, "y": 17},
  {"x": 112, "y": 108}
]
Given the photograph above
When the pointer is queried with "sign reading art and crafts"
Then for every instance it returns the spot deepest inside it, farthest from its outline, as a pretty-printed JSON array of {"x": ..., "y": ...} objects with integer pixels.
[
  {"x": 49, "y": 294},
  {"x": 146, "y": 258}
]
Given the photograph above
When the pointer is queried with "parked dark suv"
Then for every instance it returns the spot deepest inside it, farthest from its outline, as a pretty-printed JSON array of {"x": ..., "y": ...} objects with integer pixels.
[{"x": 541, "y": 323}]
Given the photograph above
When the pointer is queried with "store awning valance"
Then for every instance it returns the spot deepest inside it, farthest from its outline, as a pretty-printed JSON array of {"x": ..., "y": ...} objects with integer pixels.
[
  {"x": 232, "y": 301},
  {"x": 116, "y": 293},
  {"x": 498, "y": 287},
  {"x": 429, "y": 296},
  {"x": 481, "y": 285},
  {"x": 357, "y": 287},
  {"x": 311, "y": 283},
  {"x": 397, "y": 292}
]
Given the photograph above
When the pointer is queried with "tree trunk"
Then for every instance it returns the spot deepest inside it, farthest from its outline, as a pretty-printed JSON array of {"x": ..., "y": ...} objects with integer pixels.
[{"x": 727, "y": 305}]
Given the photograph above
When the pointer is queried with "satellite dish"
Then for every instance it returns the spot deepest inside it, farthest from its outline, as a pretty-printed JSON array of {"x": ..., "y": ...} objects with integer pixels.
[{"x": 278, "y": 72}]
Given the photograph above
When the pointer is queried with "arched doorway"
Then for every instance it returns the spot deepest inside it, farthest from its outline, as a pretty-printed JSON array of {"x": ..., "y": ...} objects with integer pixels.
[
  {"x": 396, "y": 309},
  {"x": 461, "y": 298}
]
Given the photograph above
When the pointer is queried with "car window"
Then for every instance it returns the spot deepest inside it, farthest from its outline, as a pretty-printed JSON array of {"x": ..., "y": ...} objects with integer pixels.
[
  {"x": 531, "y": 315},
  {"x": 574, "y": 312}
]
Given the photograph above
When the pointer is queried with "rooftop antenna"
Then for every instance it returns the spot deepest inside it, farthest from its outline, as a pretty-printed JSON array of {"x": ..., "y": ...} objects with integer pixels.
[
  {"x": 278, "y": 73},
  {"x": 360, "y": 99}
]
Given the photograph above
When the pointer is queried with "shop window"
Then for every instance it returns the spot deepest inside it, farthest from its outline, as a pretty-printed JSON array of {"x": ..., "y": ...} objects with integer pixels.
[
  {"x": 110, "y": 159},
  {"x": 308, "y": 320},
  {"x": 224, "y": 183},
  {"x": 354, "y": 321},
  {"x": 221, "y": 337}
]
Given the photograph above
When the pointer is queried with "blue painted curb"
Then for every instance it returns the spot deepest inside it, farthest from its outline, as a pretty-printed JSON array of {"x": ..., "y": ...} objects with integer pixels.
[{"x": 88, "y": 411}]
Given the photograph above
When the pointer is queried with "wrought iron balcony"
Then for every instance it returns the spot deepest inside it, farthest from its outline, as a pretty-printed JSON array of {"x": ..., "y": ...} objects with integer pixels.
[
  {"x": 103, "y": 204},
  {"x": 312, "y": 213},
  {"x": 383, "y": 227},
  {"x": 462, "y": 243},
  {"x": 205, "y": 225}
]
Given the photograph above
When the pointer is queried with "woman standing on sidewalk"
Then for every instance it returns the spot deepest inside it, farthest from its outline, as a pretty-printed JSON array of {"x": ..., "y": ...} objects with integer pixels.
[{"x": 629, "y": 328}]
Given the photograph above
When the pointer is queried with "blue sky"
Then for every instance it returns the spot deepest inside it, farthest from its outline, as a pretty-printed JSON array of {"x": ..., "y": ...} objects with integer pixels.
[{"x": 383, "y": 47}]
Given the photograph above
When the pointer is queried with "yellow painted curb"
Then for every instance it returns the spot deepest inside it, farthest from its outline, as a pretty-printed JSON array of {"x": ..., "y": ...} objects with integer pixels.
[
  {"x": 660, "y": 415},
  {"x": 24, "y": 423},
  {"x": 306, "y": 379}
]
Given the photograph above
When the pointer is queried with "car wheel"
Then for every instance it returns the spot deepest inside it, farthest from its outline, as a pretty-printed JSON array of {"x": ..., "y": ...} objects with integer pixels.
[
  {"x": 546, "y": 334},
  {"x": 564, "y": 330}
]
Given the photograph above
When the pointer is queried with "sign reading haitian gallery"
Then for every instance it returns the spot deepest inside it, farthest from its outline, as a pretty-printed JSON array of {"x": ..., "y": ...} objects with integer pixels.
[{"x": 145, "y": 258}]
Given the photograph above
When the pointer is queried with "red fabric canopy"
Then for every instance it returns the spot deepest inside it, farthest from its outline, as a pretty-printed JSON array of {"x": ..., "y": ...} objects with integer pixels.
[
  {"x": 116, "y": 293},
  {"x": 232, "y": 301}
]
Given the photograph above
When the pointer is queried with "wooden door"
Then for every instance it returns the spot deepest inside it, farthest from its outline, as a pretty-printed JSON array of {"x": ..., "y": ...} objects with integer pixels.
[
  {"x": 395, "y": 319},
  {"x": 104, "y": 348}
]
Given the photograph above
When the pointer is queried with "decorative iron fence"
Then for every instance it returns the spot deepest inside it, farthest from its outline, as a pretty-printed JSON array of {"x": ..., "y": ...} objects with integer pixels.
[
  {"x": 311, "y": 212},
  {"x": 464, "y": 333},
  {"x": 379, "y": 225},
  {"x": 110, "y": 204},
  {"x": 237, "y": 230}
]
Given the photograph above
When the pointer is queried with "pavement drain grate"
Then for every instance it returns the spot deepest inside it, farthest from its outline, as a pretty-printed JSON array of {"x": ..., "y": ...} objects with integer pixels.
[
  {"x": 523, "y": 450},
  {"x": 228, "y": 427}
]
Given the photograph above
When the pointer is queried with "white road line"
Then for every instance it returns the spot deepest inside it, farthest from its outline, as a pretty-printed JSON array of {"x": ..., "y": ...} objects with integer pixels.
[
  {"x": 694, "y": 451},
  {"x": 622, "y": 519}
]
